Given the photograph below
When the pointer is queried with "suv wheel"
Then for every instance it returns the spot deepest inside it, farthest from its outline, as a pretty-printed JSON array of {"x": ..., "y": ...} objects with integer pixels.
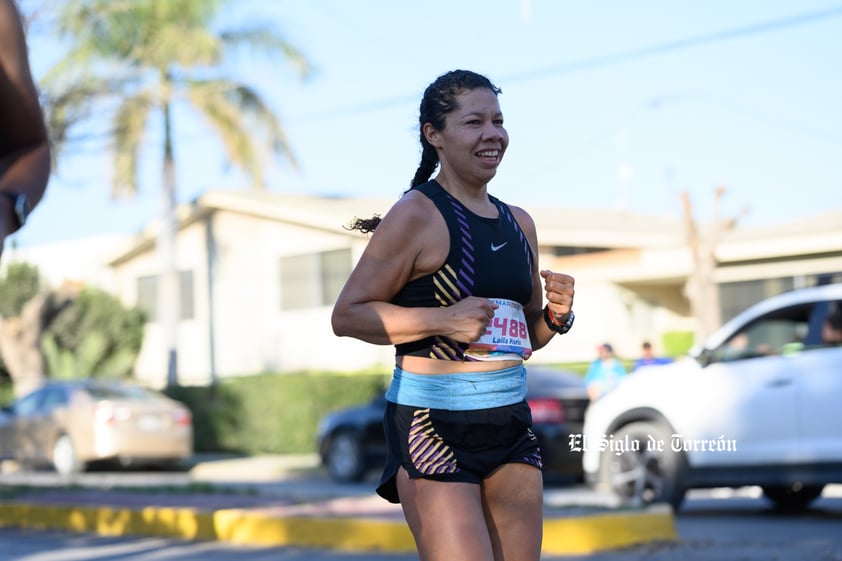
[
  {"x": 644, "y": 474},
  {"x": 345, "y": 457},
  {"x": 65, "y": 461},
  {"x": 792, "y": 497}
]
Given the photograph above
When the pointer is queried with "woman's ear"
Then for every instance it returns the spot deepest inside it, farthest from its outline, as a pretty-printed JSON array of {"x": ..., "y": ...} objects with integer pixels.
[{"x": 432, "y": 135}]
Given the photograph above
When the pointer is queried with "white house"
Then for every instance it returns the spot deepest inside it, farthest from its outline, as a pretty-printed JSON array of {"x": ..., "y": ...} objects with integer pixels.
[
  {"x": 82, "y": 260},
  {"x": 260, "y": 272}
]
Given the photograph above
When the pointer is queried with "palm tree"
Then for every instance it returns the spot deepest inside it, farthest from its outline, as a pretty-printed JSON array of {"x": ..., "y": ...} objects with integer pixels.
[{"x": 139, "y": 60}]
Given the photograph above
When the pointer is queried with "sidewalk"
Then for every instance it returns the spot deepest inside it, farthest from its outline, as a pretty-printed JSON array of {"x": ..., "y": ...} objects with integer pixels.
[{"x": 277, "y": 501}]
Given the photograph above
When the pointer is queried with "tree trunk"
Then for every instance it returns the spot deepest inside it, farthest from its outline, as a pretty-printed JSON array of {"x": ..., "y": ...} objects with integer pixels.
[
  {"x": 19, "y": 344},
  {"x": 168, "y": 297},
  {"x": 701, "y": 288}
]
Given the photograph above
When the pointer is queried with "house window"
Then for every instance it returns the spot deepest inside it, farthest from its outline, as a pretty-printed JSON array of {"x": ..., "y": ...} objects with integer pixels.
[
  {"x": 147, "y": 295},
  {"x": 336, "y": 266},
  {"x": 313, "y": 280}
]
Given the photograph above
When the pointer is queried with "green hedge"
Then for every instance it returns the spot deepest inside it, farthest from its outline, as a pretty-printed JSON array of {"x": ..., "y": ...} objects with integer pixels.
[
  {"x": 271, "y": 413},
  {"x": 678, "y": 343}
]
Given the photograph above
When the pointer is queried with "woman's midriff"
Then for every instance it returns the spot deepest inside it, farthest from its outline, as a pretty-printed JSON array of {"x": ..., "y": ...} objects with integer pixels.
[{"x": 421, "y": 365}]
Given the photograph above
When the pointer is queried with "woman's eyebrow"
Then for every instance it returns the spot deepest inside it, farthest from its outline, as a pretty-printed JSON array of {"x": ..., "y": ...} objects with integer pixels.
[{"x": 481, "y": 114}]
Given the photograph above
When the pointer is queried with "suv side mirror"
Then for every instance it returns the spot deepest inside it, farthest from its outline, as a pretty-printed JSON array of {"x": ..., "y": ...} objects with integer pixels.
[{"x": 704, "y": 357}]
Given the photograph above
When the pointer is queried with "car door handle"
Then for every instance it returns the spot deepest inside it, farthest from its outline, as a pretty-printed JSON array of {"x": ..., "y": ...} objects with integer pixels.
[{"x": 779, "y": 383}]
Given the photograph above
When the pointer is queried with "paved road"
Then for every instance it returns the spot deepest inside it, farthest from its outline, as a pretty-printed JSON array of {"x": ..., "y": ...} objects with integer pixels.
[
  {"x": 272, "y": 475},
  {"x": 714, "y": 526},
  {"x": 28, "y": 545}
]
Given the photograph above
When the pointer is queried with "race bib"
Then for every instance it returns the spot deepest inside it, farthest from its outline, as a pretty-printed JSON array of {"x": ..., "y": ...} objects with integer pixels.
[{"x": 506, "y": 337}]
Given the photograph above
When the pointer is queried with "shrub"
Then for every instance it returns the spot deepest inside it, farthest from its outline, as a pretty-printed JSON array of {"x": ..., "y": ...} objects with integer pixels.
[
  {"x": 677, "y": 343},
  {"x": 271, "y": 413}
]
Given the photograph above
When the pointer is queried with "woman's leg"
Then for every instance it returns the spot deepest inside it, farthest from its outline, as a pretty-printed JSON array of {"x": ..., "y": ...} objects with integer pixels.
[
  {"x": 514, "y": 511},
  {"x": 446, "y": 519}
]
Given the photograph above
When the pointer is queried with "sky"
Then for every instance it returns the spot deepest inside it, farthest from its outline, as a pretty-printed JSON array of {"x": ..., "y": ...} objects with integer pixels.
[{"x": 608, "y": 104}]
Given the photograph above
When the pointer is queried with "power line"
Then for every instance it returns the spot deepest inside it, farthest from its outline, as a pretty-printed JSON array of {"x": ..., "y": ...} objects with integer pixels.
[
  {"x": 606, "y": 60},
  {"x": 678, "y": 45}
]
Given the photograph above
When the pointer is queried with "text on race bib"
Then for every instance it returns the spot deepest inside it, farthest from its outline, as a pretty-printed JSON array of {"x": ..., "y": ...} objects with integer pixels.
[{"x": 506, "y": 334}]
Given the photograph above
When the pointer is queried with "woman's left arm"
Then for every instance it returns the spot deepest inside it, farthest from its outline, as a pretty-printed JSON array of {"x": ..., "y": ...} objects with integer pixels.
[{"x": 557, "y": 287}]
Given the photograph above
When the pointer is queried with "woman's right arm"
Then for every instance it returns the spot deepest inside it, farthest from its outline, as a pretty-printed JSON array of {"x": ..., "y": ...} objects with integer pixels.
[{"x": 411, "y": 240}]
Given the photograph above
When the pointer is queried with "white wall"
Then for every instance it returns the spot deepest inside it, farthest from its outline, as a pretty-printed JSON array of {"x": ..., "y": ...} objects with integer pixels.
[{"x": 82, "y": 260}]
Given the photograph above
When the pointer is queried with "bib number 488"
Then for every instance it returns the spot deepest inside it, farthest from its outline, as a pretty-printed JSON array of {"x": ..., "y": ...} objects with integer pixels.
[{"x": 507, "y": 327}]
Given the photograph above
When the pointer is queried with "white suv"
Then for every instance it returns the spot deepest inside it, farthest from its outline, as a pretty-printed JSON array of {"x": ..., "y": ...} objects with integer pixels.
[{"x": 759, "y": 404}]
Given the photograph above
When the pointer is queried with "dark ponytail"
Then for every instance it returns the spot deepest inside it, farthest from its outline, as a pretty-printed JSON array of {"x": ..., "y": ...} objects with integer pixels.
[
  {"x": 440, "y": 98},
  {"x": 429, "y": 161}
]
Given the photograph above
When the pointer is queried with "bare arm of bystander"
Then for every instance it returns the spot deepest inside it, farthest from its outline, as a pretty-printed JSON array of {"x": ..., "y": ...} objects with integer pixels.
[{"x": 24, "y": 143}]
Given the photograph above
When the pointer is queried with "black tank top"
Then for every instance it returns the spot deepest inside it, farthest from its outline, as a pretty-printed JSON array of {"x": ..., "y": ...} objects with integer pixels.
[{"x": 488, "y": 257}]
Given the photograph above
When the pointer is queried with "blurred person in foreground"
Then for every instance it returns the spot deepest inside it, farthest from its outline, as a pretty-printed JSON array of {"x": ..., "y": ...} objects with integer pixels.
[
  {"x": 831, "y": 332},
  {"x": 832, "y": 327},
  {"x": 24, "y": 144},
  {"x": 450, "y": 277},
  {"x": 604, "y": 373},
  {"x": 648, "y": 357}
]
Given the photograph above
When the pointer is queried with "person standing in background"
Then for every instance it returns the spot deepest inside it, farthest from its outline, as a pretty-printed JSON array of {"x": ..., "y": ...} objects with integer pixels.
[
  {"x": 648, "y": 357},
  {"x": 604, "y": 373},
  {"x": 24, "y": 142}
]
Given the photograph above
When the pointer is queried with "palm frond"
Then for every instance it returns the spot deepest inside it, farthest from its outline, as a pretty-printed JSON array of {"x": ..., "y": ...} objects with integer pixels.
[
  {"x": 264, "y": 38},
  {"x": 67, "y": 106},
  {"x": 248, "y": 100},
  {"x": 174, "y": 45},
  {"x": 124, "y": 57},
  {"x": 130, "y": 124},
  {"x": 229, "y": 122},
  {"x": 142, "y": 32}
]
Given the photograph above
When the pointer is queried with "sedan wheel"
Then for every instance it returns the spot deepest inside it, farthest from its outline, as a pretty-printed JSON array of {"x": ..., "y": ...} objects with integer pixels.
[
  {"x": 792, "y": 497},
  {"x": 641, "y": 473},
  {"x": 345, "y": 457},
  {"x": 65, "y": 461}
]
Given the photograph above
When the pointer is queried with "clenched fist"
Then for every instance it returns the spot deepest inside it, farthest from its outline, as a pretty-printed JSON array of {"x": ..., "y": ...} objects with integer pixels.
[
  {"x": 559, "y": 291},
  {"x": 468, "y": 319}
]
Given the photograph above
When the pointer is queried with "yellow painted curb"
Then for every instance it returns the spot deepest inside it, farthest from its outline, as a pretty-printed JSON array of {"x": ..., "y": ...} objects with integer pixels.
[
  {"x": 613, "y": 530},
  {"x": 562, "y": 536},
  {"x": 359, "y": 534},
  {"x": 166, "y": 522},
  {"x": 229, "y": 525}
]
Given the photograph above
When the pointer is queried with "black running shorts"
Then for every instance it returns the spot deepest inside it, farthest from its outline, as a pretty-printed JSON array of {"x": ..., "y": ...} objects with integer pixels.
[{"x": 464, "y": 446}]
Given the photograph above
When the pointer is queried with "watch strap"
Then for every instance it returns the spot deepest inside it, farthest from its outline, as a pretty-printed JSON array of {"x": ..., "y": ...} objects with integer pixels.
[{"x": 558, "y": 327}]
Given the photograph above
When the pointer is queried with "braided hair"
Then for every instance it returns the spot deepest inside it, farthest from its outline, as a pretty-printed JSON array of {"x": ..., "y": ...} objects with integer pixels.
[{"x": 439, "y": 100}]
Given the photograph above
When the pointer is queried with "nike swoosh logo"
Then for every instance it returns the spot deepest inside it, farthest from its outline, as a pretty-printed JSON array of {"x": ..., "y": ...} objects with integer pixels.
[{"x": 496, "y": 247}]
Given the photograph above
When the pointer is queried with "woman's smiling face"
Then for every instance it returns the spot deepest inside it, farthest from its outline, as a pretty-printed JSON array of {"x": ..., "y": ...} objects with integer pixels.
[{"x": 473, "y": 140}]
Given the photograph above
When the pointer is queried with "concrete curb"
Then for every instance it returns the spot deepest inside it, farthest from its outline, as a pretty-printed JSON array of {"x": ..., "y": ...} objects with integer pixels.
[
  {"x": 563, "y": 535},
  {"x": 583, "y": 535}
]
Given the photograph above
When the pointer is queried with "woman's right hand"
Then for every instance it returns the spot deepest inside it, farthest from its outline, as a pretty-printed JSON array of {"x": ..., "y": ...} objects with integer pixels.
[{"x": 467, "y": 320}]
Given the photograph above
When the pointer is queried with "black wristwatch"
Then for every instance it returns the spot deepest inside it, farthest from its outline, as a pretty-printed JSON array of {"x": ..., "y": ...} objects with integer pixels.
[
  {"x": 20, "y": 207},
  {"x": 555, "y": 325}
]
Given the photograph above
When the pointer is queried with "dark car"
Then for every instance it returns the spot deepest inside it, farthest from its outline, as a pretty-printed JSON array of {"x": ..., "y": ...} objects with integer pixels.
[{"x": 351, "y": 441}]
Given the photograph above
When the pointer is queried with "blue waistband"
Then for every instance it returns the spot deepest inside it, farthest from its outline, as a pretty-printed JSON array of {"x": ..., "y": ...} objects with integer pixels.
[{"x": 465, "y": 391}]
